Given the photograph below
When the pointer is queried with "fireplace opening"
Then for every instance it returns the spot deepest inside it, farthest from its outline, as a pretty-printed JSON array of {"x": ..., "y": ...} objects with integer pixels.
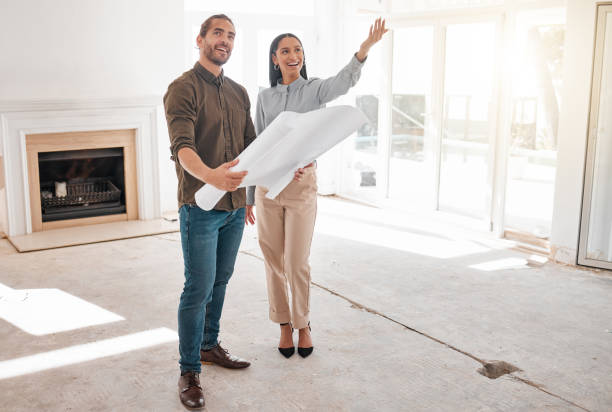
[{"x": 81, "y": 183}]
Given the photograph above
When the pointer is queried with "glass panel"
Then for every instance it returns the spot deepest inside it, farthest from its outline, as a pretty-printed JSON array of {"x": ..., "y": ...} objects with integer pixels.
[
  {"x": 537, "y": 61},
  {"x": 360, "y": 155},
  {"x": 599, "y": 243},
  {"x": 464, "y": 170},
  {"x": 410, "y": 176},
  {"x": 359, "y": 152}
]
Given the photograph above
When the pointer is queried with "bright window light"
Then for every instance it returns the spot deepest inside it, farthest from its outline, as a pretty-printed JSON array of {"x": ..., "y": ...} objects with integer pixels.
[
  {"x": 500, "y": 264},
  {"x": 398, "y": 239},
  {"x": 43, "y": 311}
]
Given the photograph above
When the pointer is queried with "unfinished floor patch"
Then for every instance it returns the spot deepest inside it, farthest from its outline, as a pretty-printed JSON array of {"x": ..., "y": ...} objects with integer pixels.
[{"x": 495, "y": 369}]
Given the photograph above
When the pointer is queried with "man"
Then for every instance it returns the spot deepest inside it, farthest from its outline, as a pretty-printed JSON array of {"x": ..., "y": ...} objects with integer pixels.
[{"x": 209, "y": 124}]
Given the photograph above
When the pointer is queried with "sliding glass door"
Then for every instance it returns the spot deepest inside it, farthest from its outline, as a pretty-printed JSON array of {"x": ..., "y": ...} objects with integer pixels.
[
  {"x": 536, "y": 60},
  {"x": 467, "y": 132},
  {"x": 442, "y": 119},
  {"x": 412, "y": 134},
  {"x": 473, "y": 119}
]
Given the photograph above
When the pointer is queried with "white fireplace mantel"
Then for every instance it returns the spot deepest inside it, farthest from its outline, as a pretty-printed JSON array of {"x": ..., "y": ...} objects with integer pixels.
[{"x": 18, "y": 119}]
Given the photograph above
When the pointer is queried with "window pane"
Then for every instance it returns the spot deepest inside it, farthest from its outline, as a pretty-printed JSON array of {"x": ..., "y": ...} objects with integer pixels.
[
  {"x": 464, "y": 171},
  {"x": 359, "y": 164},
  {"x": 410, "y": 176},
  {"x": 537, "y": 59}
]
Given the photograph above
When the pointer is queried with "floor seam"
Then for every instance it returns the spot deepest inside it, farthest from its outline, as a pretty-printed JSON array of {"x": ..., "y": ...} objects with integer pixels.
[{"x": 454, "y": 348}]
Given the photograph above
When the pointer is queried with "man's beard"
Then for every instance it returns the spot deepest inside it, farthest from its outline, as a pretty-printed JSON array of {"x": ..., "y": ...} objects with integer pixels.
[{"x": 209, "y": 51}]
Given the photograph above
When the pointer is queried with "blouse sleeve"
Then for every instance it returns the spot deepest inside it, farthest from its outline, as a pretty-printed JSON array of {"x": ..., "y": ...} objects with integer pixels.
[
  {"x": 260, "y": 121},
  {"x": 335, "y": 86}
]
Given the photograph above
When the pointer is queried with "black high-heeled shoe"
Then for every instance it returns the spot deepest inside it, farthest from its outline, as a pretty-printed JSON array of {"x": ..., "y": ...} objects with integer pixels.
[
  {"x": 287, "y": 352},
  {"x": 305, "y": 352}
]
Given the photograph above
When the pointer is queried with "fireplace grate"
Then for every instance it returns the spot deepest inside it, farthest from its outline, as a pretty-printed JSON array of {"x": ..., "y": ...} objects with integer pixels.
[{"x": 81, "y": 194}]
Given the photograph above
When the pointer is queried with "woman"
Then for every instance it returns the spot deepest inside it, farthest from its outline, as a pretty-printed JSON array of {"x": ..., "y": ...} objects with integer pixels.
[{"x": 286, "y": 224}]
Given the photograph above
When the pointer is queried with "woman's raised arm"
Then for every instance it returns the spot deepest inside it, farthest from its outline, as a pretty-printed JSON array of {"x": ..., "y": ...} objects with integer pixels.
[
  {"x": 335, "y": 86},
  {"x": 377, "y": 30}
]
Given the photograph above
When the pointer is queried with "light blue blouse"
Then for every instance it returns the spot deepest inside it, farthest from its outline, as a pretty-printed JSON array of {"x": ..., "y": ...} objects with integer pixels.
[{"x": 301, "y": 96}]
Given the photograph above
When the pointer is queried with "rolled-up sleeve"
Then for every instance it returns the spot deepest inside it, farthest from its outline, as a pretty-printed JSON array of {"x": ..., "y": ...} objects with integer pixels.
[
  {"x": 336, "y": 86},
  {"x": 180, "y": 106}
]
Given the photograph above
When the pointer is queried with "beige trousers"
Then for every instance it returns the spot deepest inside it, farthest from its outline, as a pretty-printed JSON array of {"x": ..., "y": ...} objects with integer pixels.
[{"x": 285, "y": 226}]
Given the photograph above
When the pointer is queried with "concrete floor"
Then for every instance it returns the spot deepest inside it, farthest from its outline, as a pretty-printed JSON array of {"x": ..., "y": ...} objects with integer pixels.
[{"x": 405, "y": 309}]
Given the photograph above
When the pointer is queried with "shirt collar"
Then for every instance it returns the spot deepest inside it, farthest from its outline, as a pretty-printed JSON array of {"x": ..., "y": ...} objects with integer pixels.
[
  {"x": 208, "y": 76},
  {"x": 294, "y": 84}
]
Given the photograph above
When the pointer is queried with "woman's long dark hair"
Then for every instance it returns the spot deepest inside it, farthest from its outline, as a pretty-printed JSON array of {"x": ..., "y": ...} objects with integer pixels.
[{"x": 276, "y": 75}]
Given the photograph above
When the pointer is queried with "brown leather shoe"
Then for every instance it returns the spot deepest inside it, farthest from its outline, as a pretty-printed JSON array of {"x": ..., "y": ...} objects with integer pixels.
[
  {"x": 190, "y": 390},
  {"x": 221, "y": 357}
]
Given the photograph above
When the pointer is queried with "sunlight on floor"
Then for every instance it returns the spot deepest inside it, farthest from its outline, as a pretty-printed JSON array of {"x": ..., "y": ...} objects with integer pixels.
[
  {"x": 44, "y": 311},
  {"x": 396, "y": 238},
  {"x": 500, "y": 264},
  {"x": 85, "y": 352}
]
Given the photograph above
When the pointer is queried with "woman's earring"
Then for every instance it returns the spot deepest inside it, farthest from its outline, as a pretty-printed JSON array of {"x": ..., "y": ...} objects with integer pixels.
[{"x": 276, "y": 67}]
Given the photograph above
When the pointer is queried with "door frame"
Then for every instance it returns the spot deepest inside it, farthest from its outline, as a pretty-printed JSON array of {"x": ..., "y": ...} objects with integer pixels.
[{"x": 600, "y": 29}]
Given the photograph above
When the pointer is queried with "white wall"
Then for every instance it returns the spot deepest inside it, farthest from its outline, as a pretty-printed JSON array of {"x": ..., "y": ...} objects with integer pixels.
[
  {"x": 65, "y": 49},
  {"x": 580, "y": 33},
  {"x": 93, "y": 49}
]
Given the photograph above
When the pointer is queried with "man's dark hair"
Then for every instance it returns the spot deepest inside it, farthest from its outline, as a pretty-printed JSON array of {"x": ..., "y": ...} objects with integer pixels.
[
  {"x": 275, "y": 74},
  {"x": 206, "y": 25}
]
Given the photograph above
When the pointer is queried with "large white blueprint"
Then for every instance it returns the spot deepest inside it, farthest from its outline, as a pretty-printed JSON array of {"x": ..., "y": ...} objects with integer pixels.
[{"x": 290, "y": 142}]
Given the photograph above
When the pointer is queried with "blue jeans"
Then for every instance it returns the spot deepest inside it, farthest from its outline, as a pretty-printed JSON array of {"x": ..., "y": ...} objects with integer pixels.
[{"x": 210, "y": 241}]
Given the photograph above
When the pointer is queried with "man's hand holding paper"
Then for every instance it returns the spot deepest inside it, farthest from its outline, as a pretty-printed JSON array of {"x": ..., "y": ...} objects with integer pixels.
[{"x": 290, "y": 142}]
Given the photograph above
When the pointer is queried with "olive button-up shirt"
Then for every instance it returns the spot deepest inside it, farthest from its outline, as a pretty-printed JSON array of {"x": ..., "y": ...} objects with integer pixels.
[{"x": 211, "y": 115}]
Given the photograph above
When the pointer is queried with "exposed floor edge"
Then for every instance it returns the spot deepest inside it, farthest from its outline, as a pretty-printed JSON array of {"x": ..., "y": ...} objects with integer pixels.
[
  {"x": 525, "y": 248},
  {"x": 482, "y": 362}
]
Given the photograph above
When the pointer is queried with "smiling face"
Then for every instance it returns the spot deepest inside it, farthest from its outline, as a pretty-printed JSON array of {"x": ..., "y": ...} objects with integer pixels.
[
  {"x": 289, "y": 57},
  {"x": 217, "y": 44}
]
